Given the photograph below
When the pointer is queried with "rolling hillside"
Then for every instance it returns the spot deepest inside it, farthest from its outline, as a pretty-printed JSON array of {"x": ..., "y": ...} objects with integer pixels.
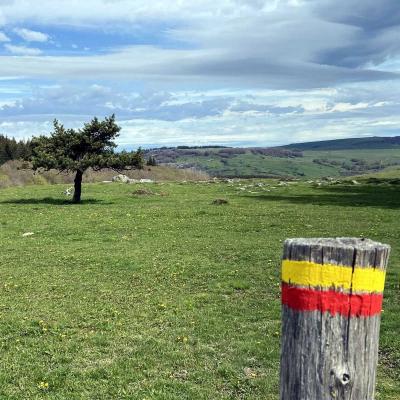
[{"x": 343, "y": 157}]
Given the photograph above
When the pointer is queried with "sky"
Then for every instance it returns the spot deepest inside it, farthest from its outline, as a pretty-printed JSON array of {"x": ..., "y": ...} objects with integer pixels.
[{"x": 191, "y": 72}]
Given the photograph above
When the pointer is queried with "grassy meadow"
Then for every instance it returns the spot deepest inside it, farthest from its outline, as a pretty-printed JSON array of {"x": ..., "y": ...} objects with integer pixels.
[
  {"x": 168, "y": 296},
  {"x": 313, "y": 164}
]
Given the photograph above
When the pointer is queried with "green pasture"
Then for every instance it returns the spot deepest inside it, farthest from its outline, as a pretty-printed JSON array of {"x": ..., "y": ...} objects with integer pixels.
[
  {"x": 166, "y": 295},
  {"x": 248, "y": 165}
]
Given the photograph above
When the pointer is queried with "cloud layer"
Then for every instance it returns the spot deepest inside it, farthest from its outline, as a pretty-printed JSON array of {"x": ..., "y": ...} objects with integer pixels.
[{"x": 140, "y": 60}]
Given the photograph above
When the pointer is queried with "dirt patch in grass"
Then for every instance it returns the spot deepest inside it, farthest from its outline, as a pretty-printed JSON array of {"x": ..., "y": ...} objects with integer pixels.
[
  {"x": 148, "y": 192},
  {"x": 219, "y": 202},
  {"x": 144, "y": 192}
]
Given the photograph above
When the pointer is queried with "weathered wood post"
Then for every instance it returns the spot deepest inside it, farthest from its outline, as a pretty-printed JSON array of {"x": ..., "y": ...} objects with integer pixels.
[{"x": 332, "y": 292}]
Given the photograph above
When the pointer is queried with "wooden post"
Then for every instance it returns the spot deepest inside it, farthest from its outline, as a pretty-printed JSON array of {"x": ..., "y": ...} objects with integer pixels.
[{"x": 332, "y": 292}]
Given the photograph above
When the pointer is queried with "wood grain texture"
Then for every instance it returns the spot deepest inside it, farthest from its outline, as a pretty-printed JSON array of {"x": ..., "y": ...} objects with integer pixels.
[{"x": 327, "y": 356}]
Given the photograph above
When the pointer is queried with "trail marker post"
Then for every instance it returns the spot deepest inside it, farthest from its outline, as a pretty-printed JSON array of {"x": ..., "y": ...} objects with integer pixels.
[{"x": 332, "y": 292}]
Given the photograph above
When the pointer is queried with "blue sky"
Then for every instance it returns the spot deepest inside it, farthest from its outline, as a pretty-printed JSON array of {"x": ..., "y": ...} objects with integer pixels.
[{"x": 233, "y": 72}]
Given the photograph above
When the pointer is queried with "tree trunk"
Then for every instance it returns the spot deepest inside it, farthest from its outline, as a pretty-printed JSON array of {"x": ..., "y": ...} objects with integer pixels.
[{"x": 77, "y": 186}]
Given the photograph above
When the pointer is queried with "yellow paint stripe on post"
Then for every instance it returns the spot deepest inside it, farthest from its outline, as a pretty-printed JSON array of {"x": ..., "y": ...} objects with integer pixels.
[{"x": 306, "y": 273}]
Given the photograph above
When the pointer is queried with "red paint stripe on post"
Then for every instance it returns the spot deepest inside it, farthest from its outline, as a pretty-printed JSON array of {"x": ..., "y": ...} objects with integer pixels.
[{"x": 354, "y": 305}]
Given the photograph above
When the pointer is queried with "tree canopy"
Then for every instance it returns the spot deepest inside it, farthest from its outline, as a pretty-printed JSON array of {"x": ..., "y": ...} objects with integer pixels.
[
  {"x": 11, "y": 149},
  {"x": 93, "y": 146}
]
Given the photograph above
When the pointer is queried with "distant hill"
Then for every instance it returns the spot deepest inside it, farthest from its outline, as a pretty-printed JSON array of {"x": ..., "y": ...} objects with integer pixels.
[
  {"x": 368, "y": 143},
  {"x": 330, "y": 158},
  {"x": 335, "y": 158}
]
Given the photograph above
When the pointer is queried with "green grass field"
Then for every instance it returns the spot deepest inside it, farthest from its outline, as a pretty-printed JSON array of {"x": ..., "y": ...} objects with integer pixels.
[
  {"x": 168, "y": 297},
  {"x": 248, "y": 165}
]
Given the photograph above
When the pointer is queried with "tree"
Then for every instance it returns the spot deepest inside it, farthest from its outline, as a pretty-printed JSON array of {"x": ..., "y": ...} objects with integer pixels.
[
  {"x": 152, "y": 162},
  {"x": 70, "y": 150},
  {"x": 11, "y": 149}
]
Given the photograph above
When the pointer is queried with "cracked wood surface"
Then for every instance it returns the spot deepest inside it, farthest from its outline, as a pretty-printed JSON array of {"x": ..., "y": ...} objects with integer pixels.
[{"x": 331, "y": 355}]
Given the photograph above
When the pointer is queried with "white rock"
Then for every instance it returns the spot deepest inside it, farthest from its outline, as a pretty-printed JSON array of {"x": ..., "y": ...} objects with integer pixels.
[
  {"x": 26, "y": 234},
  {"x": 120, "y": 178},
  {"x": 68, "y": 191}
]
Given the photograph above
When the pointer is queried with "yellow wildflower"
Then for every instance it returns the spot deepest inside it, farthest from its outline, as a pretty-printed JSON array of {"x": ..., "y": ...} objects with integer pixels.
[{"x": 43, "y": 385}]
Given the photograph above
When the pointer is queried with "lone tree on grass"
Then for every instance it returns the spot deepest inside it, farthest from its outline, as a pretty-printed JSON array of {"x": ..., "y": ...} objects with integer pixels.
[{"x": 70, "y": 150}]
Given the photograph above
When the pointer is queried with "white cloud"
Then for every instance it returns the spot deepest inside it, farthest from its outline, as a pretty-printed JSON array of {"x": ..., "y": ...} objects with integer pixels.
[
  {"x": 238, "y": 117},
  {"x": 31, "y": 36},
  {"x": 229, "y": 129},
  {"x": 343, "y": 107},
  {"x": 22, "y": 50},
  {"x": 87, "y": 100},
  {"x": 4, "y": 37},
  {"x": 77, "y": 12},
  {"x": 7, "y": 103}
]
